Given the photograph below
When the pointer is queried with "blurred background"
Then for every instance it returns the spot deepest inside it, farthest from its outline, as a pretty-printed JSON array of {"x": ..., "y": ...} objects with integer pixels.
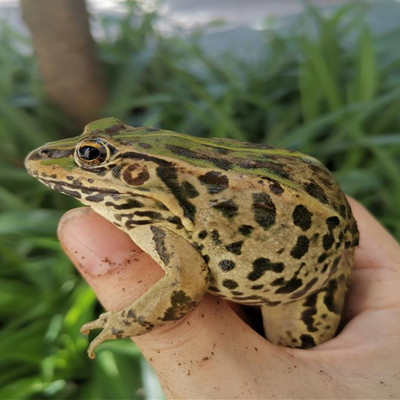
[{"x": 322, "y": 77}]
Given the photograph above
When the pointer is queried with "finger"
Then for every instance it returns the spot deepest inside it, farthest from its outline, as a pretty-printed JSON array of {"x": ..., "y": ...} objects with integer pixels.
[
  {"x": 210, "y": 345},
  {"x": 107, "y": 258},
  {"x": 375, "y": 278}
]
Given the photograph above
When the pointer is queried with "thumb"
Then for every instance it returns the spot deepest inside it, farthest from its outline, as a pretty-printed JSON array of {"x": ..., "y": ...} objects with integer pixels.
[{"x": 209, "y": 345}]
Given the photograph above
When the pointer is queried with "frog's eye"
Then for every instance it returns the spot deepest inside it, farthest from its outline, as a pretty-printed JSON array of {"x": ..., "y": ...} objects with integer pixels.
[{"x": 92, "y": 152}]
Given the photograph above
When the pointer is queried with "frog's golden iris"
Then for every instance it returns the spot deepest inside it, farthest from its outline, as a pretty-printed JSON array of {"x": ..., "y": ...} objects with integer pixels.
[{"x": 252, "y": 224}]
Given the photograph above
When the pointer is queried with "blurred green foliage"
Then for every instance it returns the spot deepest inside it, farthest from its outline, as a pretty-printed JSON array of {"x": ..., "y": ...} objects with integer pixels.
[{"x": 325, "y": 84}]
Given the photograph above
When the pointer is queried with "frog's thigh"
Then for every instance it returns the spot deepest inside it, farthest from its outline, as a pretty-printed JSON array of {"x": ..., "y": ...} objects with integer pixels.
[
  {"x": 171, "y": 298},
  {"x": 307, "y": 322}
]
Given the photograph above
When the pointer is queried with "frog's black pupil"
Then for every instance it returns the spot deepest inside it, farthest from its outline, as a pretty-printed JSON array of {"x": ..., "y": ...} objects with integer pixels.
[{"x": 89, "y": 153}]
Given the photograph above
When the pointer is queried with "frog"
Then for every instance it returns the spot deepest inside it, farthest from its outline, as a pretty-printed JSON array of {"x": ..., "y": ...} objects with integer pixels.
[{"x": 253, "y": 224}]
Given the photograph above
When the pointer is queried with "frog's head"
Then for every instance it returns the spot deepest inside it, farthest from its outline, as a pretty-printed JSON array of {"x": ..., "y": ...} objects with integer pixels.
[{"x": 108, "y": 163}]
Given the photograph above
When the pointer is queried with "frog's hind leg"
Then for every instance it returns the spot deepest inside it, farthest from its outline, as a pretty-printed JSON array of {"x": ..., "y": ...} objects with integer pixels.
[{"x": 307, "y": 322}]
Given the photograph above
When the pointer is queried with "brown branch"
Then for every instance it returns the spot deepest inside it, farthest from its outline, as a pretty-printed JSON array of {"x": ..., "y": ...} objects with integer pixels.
[{"x": 67, "y": 57}]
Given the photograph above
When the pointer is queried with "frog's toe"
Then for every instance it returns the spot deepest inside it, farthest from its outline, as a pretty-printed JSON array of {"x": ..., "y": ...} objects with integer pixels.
[
  {"x": 110, "y": 330},
  {"x": 96, "y": 324},
  {"x": 104, "y": 335}
]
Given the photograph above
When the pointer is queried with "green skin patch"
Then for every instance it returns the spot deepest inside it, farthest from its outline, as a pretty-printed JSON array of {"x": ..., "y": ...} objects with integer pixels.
[{"x": 66, "y": 163}]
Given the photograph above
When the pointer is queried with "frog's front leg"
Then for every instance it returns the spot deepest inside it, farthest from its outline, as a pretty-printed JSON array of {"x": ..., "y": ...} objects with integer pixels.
[{"x": 171, "y": 298}]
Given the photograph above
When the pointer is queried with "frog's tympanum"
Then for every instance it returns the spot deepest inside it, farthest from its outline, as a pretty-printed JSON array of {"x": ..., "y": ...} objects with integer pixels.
[{"x": 249, "y": 223}]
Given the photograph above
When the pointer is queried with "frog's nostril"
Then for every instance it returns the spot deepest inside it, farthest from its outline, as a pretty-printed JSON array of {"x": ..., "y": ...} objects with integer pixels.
[{"x": 44, "y": 153}]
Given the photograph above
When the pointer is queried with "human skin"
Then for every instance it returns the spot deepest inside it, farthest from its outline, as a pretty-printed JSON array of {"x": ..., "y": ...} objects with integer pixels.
[{"x": 213, "y": 353}]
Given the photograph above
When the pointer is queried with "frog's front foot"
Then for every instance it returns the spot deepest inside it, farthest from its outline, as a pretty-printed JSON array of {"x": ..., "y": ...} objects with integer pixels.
[{"x": 105, "y": 321}]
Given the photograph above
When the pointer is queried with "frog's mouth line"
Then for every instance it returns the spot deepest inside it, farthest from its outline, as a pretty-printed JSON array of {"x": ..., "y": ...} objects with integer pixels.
[{"x": 77, "y": 191}]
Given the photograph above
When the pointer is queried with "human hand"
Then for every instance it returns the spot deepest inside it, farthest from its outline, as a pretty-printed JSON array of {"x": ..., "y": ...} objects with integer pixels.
[{"x": 213, "y": 353}]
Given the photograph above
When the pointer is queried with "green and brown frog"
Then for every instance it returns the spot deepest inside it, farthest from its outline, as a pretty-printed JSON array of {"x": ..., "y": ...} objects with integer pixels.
[{"x": 252, "y": 224}]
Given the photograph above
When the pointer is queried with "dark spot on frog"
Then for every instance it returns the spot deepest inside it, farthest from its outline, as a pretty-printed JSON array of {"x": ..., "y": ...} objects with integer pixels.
[
  {"x": 355, "y": 233},
  {"x": 307, "y": 316},
  {"x": 132, "y": 223},
  {"x": 324, "y": 268},
  {"x": 136, "y": 174},
  {"x": 202, "y": 234},
  {"x": 276, "y": 168},
  {"x": 95, "y": 198},
  {"x": 221, "y": 163},
  {"x": 263, "y": 209},
  {"x": 327, "y": 241},
  {"x": 329, "y": 298},
  {"x": 355, "y": 242},
  {"x": 302, "y": 217},
  {"x": 290, "y": 286},
  {"x": 227, "y": 208},
  {"x": 257, "y": 287},
  {"x": 305, "y": 289},
  {"x": 167, "y": 173},
  {"x": 152, "y": 215},
  {"x": 190, "y": 154},
  {"x": 276, "y": 188},
  {"x": 44, "y": 154},
  {"x": 214, "y": 181},
  {"x": 73, "y": 193},
  {"x": 159, "y": 241},
  {"x": 334, "y": 265},
  {"x": 115, "y": 129},
  {"x": 229, "y": 284},
  {"x": 161, "y": 206},
  {"x": 131, "y": 203},
  {"x": 215, "y": 237},
  {"x": 226, "y": 265},
  {"x": 322, "y": 257},
  {"x": 246, "y": 230},
  {"x": 99, "y": 171},
  {"x": 342, "y": 211},
  {"x": 188, "y": 190},
  {"x": 176, "y": 221},
  {"x": 198, "y": 246},
  {"x": 278, "y": 282},
  {"x": 206, "y": 258},
  {"x": 116, "y": 171},
  {"x": 144, "y": 145},
  {"x": 181, "y": 304},
  {"x": 307, "y": 341},
  {"x": 235, "y": 247},
  {"x": 301, "y": 247},
  {"x": 261, "y": 265},
  {"x": 332, "y": 222},
  {"x": 221, "y": 150},
  {"x": 236, "y": 293},
  {"x": 314, "y": 190},
  {"x": 117, "y": 332},
  {"x": 185, "y": 152},
  {"x": 213, "y": 289}
]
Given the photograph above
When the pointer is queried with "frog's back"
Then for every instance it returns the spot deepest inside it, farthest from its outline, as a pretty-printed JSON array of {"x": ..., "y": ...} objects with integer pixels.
[{"x": 280, "y": 167}]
